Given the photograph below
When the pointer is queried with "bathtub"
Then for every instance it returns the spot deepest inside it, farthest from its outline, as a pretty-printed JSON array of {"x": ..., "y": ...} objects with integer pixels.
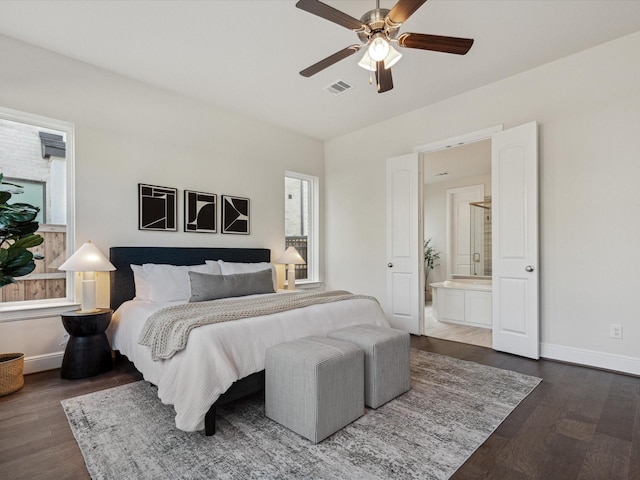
[{"x": 463, "y": 300}]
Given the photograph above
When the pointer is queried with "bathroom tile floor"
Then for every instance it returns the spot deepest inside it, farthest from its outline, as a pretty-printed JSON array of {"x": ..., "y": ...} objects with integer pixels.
[{"x": 454, "y": 332}]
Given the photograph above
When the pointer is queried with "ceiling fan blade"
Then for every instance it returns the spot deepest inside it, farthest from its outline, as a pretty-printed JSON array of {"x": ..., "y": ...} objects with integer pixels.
[
  {"x": 384, "y": 80},
  {"x": 330, "y": 60},
  {"x": 329, "y": 13},
  {"x": 437, "y": 43},
  {"x": 402, "y": 10}
]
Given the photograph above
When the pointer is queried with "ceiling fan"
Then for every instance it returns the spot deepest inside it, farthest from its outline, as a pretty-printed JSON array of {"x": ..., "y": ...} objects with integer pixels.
[{"x": 377, "y": 29}]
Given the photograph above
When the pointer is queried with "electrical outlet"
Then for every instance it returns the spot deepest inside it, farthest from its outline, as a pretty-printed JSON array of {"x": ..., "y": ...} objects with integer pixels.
[{"x": 615, "y": 330}]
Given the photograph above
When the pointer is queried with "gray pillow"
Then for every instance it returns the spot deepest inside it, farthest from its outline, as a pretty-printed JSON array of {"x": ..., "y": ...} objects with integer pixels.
[{"x": 211, "y": 287}]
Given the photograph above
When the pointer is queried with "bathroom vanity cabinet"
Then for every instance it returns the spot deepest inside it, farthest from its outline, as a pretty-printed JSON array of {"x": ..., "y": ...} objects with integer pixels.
[{"x": 462, "y": 302}]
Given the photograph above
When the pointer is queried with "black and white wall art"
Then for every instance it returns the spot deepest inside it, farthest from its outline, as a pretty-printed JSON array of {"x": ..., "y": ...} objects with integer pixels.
[
  {"x": 200, "y": 211},
  {"x": 235, "y": 215},
  {"x": 157, "y": 208}
]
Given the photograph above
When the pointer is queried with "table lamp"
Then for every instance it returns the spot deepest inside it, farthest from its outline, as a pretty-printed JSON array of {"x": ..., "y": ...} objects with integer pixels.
[
  {"x": 88, "y": 260},
  {"x": 292, "y": 258}
]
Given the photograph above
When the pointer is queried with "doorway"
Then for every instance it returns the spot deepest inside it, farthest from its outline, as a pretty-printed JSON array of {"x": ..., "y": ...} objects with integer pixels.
[
  {"x": 514, "y": 260},
  {"x": 457, "y": 227}
]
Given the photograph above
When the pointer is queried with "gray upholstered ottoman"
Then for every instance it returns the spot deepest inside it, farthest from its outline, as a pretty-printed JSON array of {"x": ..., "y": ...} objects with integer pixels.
[
  {"x": 386, "y": 360},
  {"x": 314, "y": 385}
]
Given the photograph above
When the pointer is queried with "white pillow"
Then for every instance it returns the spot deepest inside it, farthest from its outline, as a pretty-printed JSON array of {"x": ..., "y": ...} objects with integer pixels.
[
  {"x": 215, "y": 268},
  {"x": 143, "y": 289},
  {"x": 170, "y": 283},
  {"x": 232, "y": 268}
]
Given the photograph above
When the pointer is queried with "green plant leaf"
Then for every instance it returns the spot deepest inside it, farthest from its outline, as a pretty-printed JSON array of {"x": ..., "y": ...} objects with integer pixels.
[
  {"x": 17, "y": 234},
  {"x": 29, "y": 241},
  {"x": 22, "y": 270},
  {"x": 17, "y": 230},
  {"x": 18, "y": 257},
  {"x": 6, "y": 280},
  {"x": 19, "y": 212}
]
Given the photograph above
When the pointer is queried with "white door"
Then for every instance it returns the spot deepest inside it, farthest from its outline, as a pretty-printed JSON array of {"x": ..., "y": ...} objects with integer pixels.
[
  {"x": 405, "y": 285},
  {"x": 459, "y": 258},
  {"x": 514, "y": 164}
]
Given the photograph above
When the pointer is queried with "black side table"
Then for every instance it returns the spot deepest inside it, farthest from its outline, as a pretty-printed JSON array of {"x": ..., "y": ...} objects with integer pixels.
[{"x": 88, "y": 351}]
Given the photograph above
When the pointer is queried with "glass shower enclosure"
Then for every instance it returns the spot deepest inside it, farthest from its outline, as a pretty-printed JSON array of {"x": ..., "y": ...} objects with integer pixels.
[{"x": 480, "y": 243}]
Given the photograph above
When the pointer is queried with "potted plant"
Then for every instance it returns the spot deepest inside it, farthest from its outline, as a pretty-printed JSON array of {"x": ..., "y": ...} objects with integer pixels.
[
  {"x": 431, "y": 257},
  {"x": 17, "y": 235}
]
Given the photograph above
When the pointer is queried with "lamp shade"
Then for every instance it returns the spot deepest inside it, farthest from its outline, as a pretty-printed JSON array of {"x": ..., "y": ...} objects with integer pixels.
[
  {"x": 378, "y": 47},
  {"x": 88, "y": 258},
  {"x": 391, "y": 59},
  {"x": 291, "y": 256},
  {"x": 367, "y": 62}
]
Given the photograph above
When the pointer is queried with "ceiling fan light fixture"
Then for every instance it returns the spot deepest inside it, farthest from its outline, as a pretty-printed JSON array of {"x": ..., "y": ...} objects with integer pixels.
[
  {"x": 392, "y": 58},
  {"x": 378, "y": 47},
  {"x": 376, "y": 29},
  {"x": 367, "y": 63}
]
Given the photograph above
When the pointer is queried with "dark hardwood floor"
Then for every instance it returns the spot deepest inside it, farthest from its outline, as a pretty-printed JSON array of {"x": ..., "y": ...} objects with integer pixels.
[
  {"x": 35, "y": 439},
  {"x": 579, "y": 423}
]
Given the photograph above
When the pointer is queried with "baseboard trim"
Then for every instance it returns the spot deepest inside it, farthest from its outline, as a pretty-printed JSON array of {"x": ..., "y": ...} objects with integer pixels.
[
  {"x": 608, "y": 361},
  {"x": 40, "y": 363}
]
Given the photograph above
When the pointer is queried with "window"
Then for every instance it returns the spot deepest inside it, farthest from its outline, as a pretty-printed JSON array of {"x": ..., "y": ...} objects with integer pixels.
[
  {"x": 301, "y": 222},
  {"x": 37, "y": 154}
]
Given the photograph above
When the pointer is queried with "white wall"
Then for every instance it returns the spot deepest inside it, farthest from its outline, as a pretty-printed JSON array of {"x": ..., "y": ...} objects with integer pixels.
[
  {"x": 588, "y": 109},
  {"x": 128, "y": 133}
]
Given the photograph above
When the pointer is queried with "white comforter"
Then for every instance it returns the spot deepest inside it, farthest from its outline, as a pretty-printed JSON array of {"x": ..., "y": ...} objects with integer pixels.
[{"x": 219, "y": 354}]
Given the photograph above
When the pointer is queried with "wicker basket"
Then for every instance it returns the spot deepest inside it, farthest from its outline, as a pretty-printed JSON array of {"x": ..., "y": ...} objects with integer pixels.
[{"x": 11, "y": 367}]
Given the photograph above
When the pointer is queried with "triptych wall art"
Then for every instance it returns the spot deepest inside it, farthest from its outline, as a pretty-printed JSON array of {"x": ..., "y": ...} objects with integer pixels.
[
  {"x": 158, "y": 210},
  {"x": 200, "y": 211},
  {"x": 235, "y": 215}
]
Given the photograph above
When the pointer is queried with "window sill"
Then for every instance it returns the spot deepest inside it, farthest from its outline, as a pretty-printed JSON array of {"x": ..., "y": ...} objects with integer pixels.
[
  {"x": 32, "y": 310},
  {"x": 307, "y": 285}
]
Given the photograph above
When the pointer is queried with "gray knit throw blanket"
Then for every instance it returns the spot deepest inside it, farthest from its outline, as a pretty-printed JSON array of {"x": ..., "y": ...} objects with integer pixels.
[{"x": 167, "y": 330}]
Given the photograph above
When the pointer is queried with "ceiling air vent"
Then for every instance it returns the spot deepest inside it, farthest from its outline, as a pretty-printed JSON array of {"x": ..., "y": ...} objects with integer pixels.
[{"x": 339, "y": 87}]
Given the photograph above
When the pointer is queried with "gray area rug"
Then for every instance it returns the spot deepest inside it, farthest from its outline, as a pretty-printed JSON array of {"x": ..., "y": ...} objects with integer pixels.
[{"x": 453, "y": 406}]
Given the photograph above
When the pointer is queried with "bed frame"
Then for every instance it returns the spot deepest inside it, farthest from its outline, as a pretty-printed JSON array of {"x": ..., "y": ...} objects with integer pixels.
[{"x": 123, "y": 289}]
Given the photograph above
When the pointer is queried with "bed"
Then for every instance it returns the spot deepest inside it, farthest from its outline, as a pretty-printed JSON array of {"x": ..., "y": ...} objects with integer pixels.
[{"x": 224, "y": 361}]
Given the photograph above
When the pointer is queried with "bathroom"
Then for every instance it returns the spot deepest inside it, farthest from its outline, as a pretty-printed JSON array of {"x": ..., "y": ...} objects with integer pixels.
[{"x": 457, "y": 224}]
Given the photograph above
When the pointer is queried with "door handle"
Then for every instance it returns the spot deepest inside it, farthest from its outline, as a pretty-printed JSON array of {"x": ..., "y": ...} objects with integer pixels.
[
  {"x": 529, "y": 268},
  {"x": 390, "y": 265}
]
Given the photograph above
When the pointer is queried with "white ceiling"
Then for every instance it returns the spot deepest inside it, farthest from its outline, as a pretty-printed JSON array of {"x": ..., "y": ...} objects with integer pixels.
[{"x": 245, "y": 55}]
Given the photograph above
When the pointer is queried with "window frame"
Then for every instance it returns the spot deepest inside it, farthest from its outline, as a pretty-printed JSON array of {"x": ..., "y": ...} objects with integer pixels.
[
  {"x": 32, "y": 309},
  {"x": 313, "y": 242}
]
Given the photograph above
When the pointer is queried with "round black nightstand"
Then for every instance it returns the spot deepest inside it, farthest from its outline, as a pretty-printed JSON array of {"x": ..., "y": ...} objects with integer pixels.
[{"x": 88, "y": 351}]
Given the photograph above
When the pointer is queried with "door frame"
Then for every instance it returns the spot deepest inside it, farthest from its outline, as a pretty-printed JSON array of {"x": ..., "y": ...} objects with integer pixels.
[
  {"x": 457, "y": 141},
  {"x": 450, "y": 258}
]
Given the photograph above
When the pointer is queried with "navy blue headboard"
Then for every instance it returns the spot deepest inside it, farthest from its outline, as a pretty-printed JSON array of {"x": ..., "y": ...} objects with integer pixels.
[{"x": 122, "y": 285}]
